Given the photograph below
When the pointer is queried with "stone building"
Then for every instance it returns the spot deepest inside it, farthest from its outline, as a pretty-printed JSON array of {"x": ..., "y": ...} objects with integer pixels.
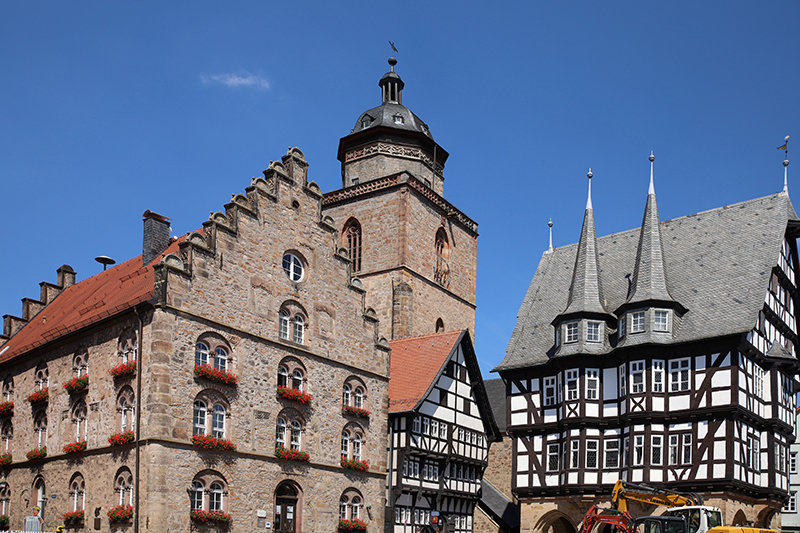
[
  {"x": 240, "y": 372},
  {"x": 662, "y": 355}
]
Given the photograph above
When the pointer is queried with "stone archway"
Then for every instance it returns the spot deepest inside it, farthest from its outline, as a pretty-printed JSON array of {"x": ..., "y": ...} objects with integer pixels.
[
  {"x": 561, "y": 525},
  {"x": 739, "y": 519},
  {"x": 767, "y": 519}
]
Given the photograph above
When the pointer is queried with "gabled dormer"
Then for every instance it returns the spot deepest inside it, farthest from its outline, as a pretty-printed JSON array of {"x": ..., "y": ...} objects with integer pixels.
[
  {"x": 584, "y": 326},
  {"x": 650, "y": 313}
]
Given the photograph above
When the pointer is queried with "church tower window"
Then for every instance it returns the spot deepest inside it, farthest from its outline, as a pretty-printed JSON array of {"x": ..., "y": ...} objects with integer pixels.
[
  {"x": 352, "y": 235},
  {"x": 441, "y": 274}
]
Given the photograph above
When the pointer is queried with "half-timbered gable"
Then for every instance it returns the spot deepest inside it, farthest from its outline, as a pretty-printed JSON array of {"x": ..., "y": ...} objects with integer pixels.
[
  {"x": 692, "y": 387},
  {"x": 440, "y": 427}
]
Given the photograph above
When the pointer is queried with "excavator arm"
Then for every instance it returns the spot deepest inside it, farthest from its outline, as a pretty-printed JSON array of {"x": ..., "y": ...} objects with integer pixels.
[
  {"x": 624, "y": 492},
  {"x": 621, "y": 519}
]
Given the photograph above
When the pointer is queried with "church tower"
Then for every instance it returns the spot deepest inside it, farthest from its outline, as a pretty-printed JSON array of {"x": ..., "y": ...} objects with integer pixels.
[{"x": 412, "y": 250}]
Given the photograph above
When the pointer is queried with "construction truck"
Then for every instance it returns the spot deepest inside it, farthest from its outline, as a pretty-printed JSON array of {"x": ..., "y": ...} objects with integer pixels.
[{"x": 623, "y": 522}]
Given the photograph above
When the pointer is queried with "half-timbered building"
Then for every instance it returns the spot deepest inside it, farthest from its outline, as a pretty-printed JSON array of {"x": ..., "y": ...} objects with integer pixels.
[
  {"x": 440, "y": 427},
  {"x": 662, "y": 355}
]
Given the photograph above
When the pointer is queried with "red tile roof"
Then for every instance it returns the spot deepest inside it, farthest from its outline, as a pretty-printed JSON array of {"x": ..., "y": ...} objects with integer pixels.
[
  {"x": 416, "y": 362},
  {"x": 91, "y": 300}
]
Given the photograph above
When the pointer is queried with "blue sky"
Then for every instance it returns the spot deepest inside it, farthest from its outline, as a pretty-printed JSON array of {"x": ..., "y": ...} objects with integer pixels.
[{"x": 111, "y": 108}]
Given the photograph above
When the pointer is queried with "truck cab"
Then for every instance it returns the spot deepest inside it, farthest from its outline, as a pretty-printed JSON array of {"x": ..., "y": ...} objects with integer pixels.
[{"x": 699, "y": 518}]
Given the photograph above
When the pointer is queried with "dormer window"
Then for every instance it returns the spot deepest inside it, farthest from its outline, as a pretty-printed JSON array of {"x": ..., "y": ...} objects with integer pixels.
[
  {"x": 637, "y": 322},
  {"x": 661, "y": 321},
  {"x": 622, "y": 324},
  {"x": 365, "y": 122},
  {"x": 572, "y": 332},
  {"x": 398, "y": 119},
  {"x": 593, "y": 331}
]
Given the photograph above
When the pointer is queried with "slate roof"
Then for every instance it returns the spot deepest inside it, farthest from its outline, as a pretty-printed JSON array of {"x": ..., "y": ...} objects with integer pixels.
[
  {"x": 415, "y": 364},
  {"x": 717, "y": 265},
  {"x": 383, "y": 115},
  {"x": 89, "y": 301},
  {"x": 496, "y": 392},
  {"x": 503, "y": 509}
]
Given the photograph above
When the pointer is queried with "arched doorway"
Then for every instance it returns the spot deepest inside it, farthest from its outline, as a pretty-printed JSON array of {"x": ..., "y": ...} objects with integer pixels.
[
  {"x": 561, "y": 525},
  {"x": 739, "y": 519},
  {"x": 287, "y": 512},
  {"x": 766, "y": 519}
]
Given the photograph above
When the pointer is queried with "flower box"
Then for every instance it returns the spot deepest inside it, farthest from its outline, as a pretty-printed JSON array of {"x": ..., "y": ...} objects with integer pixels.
[
  {"x": 353, "y": 525},
  {"x": 37, "y": 453},
  {"x": 214, "y": 374},
  {"x": 6, "y": 408},
  {"x": 291, "y": 455},
  {"x": 120, "y": 513},
  {"x": 5, "y": 520},
  {"x": 124, "y": 369},
  {"x": 209, "y": 442},
  {"x": 210, "y": 516},
  {"x": 355, "y": 411},
  {"x": 39, "y": 396},
  {"x": 118, "y": 439},
  {"x": 5, "y": 459},
  {"x": 74, "y": 447},
  {"x": 73, "y": 517},
  {"x": 294, "y": 395},
  {"x": 77, "y": 384},
  {"x": 355, "y": 465}
]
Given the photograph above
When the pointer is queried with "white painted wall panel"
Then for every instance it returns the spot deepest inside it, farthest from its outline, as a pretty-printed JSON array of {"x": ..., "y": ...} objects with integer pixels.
[
  {"x": 593, "y": 410},
  {"x": 679, "y": 403},
  {"x": 590, "y": 478},
  {"x": 551, "y": 480},
  {"x": 518, "y": 403},
  {"x": 572, "y": 478},
  {"x": 722, "y": 378},
  {"x": 656, "y": 475},
  {"x": 522, "y": 480},
  {"x": 637, "y": 476},
  {"x": 702, "y": 472},
  {"x": 658, "y": 403},
  {"x": 522, "y": 463},
  {"x": 550, "y": 415},
  {"x": 519, "y": 419}
]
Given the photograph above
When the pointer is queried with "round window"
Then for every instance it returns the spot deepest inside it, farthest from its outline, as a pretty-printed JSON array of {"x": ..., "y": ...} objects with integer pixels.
[{"x": 293, "y": 267}]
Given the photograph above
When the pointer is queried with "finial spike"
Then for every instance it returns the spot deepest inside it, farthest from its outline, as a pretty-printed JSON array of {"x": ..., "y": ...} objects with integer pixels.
[
  {"x": 785, "y": 149},
  {"x": 550, "y": 225},
  {"x": 652, "y": 189},
  {"x": 589, "y": 199}
]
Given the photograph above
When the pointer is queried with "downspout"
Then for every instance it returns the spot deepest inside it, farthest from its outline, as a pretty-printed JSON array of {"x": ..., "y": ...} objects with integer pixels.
[{"x": 139, "y": 403}]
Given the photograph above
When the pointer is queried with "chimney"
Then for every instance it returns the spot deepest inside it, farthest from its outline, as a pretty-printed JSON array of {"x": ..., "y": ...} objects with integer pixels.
[
  {"x": 156, "y": 236},
  {"x": 66, "y": 276}
]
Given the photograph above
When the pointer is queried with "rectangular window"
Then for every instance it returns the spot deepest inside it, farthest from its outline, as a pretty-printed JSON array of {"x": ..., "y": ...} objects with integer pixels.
[
  {"x": 673, "y": 449},
  {"x": 687, "y": 449},
  {"x": 591, "y": 454},
  {"x": 549, "y": 391},
  {"x": 415, "y": 427},
  {"x": 793, "y": 463},
  {"x": 655, "y": 449},
  {"x": 572, "y": 384},
  {"x": 434, "y": 428},
  {"x": 426, "y": 425},
  {"x": 622, "y": 386},
  {"x": 593, "y": 331},
  {"x": 572, "y": 332},
  {"x": 622, "y": 325},
  {"x": 443, "y": 430},
  {"x": 658, "y": 376},
  {"x": 552, "y": 457},
  {"x": 626, "y": 446},
  {"x": 758, "y": 381},
  {"x": 575, "y": 454},
  {"x": 638, "y": 450},
  {"x": 637, "y": 377},
  {"x": 791, "y": 504},
  {"x": 679, "y": 375},
  {"x": 660, "y": 322},
  {"x": 592, "y": 383},
  {"x": 637, "y": 321},
  {"x": 612, "y": 453}
]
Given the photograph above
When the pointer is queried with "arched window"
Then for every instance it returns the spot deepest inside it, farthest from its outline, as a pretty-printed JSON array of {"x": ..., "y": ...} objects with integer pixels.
[
  {"x": 280, "y": 432},
  {"x": 210, "y": 411},
  {"x": 283, "y": 324},
  {"x": 42, "y": 379},
  {"x": 299, "y": 329},
  {"x": 439, "y": 325},
  {"x": 40, "y": 428},
  {"x": 291, "y": 374},
  {"x": 5, "y": 499},
  {"x": 126, "y": 345},
  {"x": 7, "y": 435},
  {"x": 352, "y": 439},
  {"x": 211, "y": 349},
  {"x": 8, "y": 389},
  {"x": 297, "y": 379},
  {"x": 346, "y": 394},
  {"x": 79, "y": 420},
  {"x": 208, "y": 492},
  {"x": 125, "y": 409},
  {"x": 292, "y": 320},
  {"x": 441, "y": 274},
  {"x": 352, "y": 237},
  {"x": 297, "y": 429},
  {"x": 345, "y": 444},
  {"x": 123, "y": 487},
  {"x": 353, "y": 392},
  {"x": 220, "y": 358},
  {"x": 350, "y": 504},
  {"x": 357, "y": 447},
  {"x": 289, "y": 429},
  {"x": 77, "y": 493},
  {"x": 200, "y": 354},
  {"x": 80, "y": 363},
  {"x": 283, "y": 376},
  {"x": 358, "y": 397},
  {"x": 40, "y": 494}
]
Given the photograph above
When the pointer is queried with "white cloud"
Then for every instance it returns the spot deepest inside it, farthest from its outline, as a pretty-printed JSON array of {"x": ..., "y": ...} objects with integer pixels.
[{"x": 237, "y": 80}]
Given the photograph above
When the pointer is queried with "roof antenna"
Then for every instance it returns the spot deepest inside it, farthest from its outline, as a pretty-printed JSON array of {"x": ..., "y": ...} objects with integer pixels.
[
  {"x": 550, "y": 225},
  {"x": 105, "y": 261},
  {"x": 785, "y": 165},
  {"x": 652, "y": 189}
]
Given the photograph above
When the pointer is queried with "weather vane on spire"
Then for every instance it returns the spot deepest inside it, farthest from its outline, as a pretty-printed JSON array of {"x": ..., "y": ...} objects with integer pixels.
[
  {"x": 396, "y": 51},
  {"x": 785, "y": 164}
]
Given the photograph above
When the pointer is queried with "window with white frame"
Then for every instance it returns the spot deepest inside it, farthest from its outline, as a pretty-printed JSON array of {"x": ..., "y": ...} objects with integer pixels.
[
  {"x": 552, "y": 457},
  {"x": 292, "y": 320},
  {"x": 42, "y": 377},
  {"x": 673, "y": 449},
  {"x": 591, "y": 453},
  {"x": 5, "y": 499},
  {"x": 213, "y": 351},
  {"x": 352, "y": 440},
  {"x": 638, "y": 450},
  {"x": 7, "y": 435},
  {"x": 793, "y": 463},
  {"x": 661, "y": 321},
  {"x": 416, "y": 424},
  {"x": 208, "y": 492},
  {"x": 656, "y": 449},
  {"x": 637, "y": 321},
  {"x": 572, "y": 332},
  {"x": 209, "y": 415},
  {"x": 123, "y": 487},
  {"x": 622, "y": 325},
  {"x": 623, "y": 390},
  {"x": 637, "y": 377},
  {"x": 626, "y": 445},
  {"x": 679, "y": 375},
  {"x": 77, "y": 493},
  {"x": 350, "y": 505},
  {"x": 574, "y": 454},
  {"x": 592, "y": 383},
  {"x": 8, "y": 389},
  {"x": 658, "y": 376},
  {"x": 291, "y": 374},
  {"x": 758, "y": 381},
  {"x": 126, "y": 345},
  {"x": 549, "y": 391},
  {"x": 80, "y": 362},
  {"x": 612, "y": 453},
  {"x": 686, "y": 449},
  {"x": 572, "y": 384},
  {"x": 593, "y": 331},
  {"x": 40, "y": 427},
  {"x": 293, "y": 267},
  {"x": 791, "y": 504},
  {"x": 79, "y": 420}
]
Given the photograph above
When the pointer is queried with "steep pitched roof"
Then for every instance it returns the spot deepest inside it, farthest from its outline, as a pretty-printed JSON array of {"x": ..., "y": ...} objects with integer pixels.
[
  {"x": 717, "y": 262},
  {"x": 496, "y": 393},
  {"x": 416, "y": 362},
  {"x": 87, "y": 302}
]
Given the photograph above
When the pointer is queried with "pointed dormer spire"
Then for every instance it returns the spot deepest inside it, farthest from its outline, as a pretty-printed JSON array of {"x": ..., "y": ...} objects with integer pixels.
[{"x": 550, "y": 225}]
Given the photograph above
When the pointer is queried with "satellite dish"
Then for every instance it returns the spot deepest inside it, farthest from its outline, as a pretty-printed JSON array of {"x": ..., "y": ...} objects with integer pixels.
[{"x": 105, "y": 261}]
